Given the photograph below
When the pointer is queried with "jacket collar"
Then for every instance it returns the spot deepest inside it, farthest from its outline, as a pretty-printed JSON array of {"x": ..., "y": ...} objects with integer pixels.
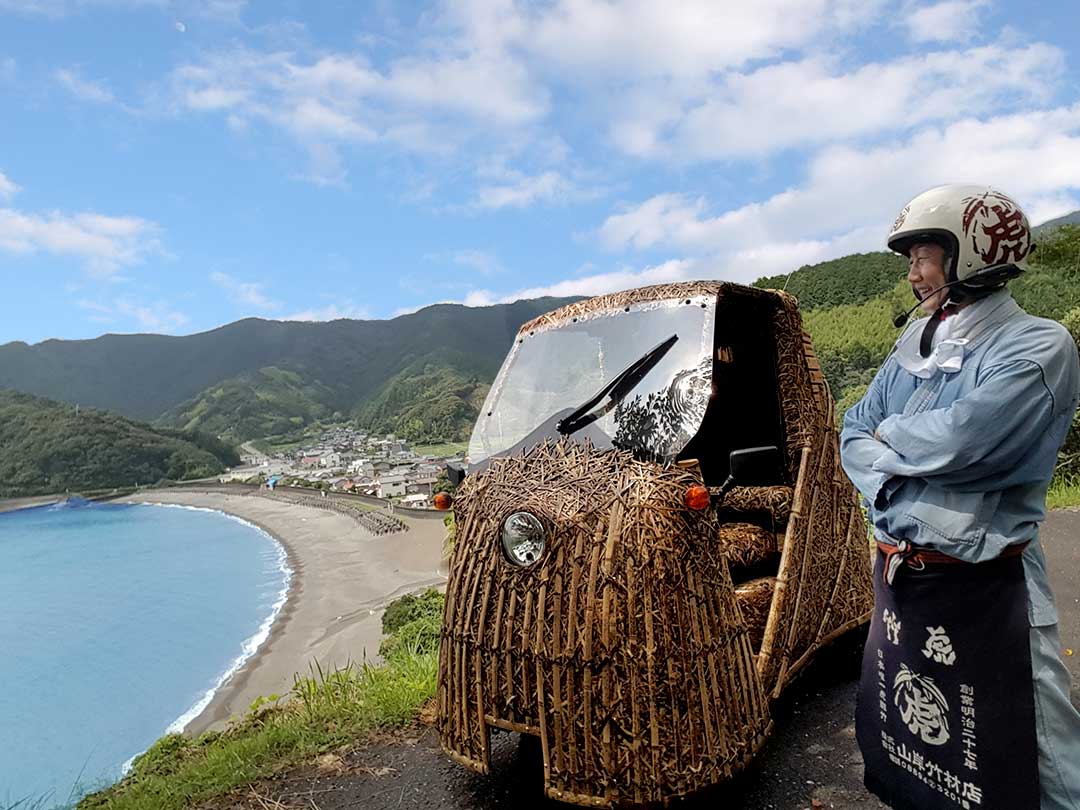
[{"x": 956, "y": 335}]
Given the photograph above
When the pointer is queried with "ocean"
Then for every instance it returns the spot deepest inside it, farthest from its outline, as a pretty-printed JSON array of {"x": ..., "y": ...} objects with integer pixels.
[{"x": 117, "y": 624}]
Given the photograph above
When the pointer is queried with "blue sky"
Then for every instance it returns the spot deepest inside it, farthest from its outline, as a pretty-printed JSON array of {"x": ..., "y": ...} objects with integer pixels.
[{"x": 173, "y": 165}]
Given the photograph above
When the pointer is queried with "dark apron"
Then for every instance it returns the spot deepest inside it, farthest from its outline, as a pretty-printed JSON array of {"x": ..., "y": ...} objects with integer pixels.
[{"x": 945, "y": 715}]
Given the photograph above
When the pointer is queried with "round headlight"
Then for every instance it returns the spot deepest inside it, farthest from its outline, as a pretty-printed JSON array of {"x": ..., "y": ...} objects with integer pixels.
[{"x": 523, "y": 538}]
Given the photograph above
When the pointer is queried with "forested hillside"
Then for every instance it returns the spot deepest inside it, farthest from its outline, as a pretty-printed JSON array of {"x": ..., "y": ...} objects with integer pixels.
[
  {"x": 267, "y": 402},
  {"x": 853, "y": 338},
  {"x": 848, "y": 280},
  {"x": 50, "y": 447},
  {"x": 426, "y": 401},
  {"x": 256, "y": 378}
]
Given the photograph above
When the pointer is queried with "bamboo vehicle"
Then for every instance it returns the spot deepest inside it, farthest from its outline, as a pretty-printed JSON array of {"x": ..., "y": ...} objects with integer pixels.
[{"x": 611, "y": 591}]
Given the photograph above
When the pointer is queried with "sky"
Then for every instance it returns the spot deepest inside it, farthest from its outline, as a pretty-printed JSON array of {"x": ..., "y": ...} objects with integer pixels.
[{"x": 170, "y": 166}]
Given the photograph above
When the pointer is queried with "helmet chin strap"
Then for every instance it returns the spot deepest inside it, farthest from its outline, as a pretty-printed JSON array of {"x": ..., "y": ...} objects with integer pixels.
[
  {"x": 958, "y": 296},
  {"x": 926, "y": 341}
]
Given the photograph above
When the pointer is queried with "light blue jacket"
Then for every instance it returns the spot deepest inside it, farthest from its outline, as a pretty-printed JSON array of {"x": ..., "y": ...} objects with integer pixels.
[{"x": 962, "y": 460}]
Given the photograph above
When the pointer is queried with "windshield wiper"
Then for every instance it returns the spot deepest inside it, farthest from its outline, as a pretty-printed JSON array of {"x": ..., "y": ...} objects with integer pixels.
[{"x": 621, "y": 384}]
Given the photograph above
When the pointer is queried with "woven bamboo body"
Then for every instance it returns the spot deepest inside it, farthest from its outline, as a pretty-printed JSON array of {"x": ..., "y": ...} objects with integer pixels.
[
  {"x": 823, "y": 587},
  {"x": 627, "y": 648}
]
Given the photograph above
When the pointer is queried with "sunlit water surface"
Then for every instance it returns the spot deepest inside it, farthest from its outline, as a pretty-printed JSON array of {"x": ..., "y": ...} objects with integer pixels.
[{"x": 117, "y": 623}]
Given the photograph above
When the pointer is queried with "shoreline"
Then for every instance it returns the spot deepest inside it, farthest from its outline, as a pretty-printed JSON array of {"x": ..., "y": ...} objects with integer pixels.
[
  {"x": 30, "y": 502},
  {"x": 287, "y": 566},
  {"x": 342, "y": 577}
]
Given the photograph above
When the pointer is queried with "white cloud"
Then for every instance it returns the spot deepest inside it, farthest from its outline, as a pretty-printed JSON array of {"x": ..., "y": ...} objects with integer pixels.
[
  {"x": 518, "y": 190},
  {"x": 1050, "y": 206},
  {"x": 639, "y": 63},
  {"x": 332, "y": 312},
  {"x": 491, "y": 63},
  {"x": 8, "y": 189},
  {"x": 153, "y": 317},
  {"x": 944, "y": 22},
  {"x": 482, "y": 261},
  {"x": 639, "y": 38},
  {"x": 158, "y": 318},
  {"x": 597, "y": 284},
  {"x": 704, "y": 82},
  {"x": 806, "y": 102},
  {"x": 322, "y": 105},
  {"x": 100, "y": 313},
  {"x": 341, "y": 97},
  {"x": 430, "y": 102},
  {"x": 83, "y": 89},
  {"x": 245, "y": 293},
  {"x": 104, "y": 243},
  {"x": 312, "y": 118},
  {"x": 487, "y": 86},
  {"x": 851, "y": 195}
]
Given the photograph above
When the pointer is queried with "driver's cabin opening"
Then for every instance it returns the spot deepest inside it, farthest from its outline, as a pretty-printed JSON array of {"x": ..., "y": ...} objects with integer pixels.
[{"x": 745, "y": 407}]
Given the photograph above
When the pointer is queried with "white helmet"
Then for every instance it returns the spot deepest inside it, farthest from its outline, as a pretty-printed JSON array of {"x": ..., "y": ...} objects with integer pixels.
[{"x": 985, "y": 235}]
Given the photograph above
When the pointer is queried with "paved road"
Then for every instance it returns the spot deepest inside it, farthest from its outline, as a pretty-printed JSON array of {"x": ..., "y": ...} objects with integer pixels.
[
  {"x": 811, "y": 756},
  {"x": 1061, "y": 539}
]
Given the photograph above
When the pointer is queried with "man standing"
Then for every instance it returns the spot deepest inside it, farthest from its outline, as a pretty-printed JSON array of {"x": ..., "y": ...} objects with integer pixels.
[{"x": 964, "y": 701}]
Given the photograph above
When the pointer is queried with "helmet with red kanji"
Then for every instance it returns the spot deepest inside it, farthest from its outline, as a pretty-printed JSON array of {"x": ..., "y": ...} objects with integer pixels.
[{"x": 985, "y": 234}]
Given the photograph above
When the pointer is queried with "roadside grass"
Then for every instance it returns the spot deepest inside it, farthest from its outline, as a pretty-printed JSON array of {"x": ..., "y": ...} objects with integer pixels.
[
  {"x": 325, "y": 711},
  {"x": 444, "y": 450},
  {"x": 1064, "y": 492}
]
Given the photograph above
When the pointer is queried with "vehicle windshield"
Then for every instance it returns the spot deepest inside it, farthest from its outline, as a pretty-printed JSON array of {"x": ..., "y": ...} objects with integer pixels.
[{"x": 560, "y": 367}]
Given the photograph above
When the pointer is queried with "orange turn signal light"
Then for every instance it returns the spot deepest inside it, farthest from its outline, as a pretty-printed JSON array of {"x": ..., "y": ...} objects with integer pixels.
[
  {"x": 697, "y": 497},
  {"x": 443, "y": 501}
]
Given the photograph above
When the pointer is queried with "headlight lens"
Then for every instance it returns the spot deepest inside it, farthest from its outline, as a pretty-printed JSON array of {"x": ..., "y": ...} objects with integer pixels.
[{"x": 523, "y": 538}]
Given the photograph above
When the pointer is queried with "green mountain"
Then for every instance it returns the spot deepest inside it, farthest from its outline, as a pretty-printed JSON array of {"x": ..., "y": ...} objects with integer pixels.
[
  {"x": 255, "y": 378},
  {"x": 848, "y": 280},
  {"x": 48, "y": 447},
  {"x": 1053, "y": 224},
  {"x": 424, "y": 376},
  {"x": 267, "y": 402},
  {"x": 426, "y": 401}
]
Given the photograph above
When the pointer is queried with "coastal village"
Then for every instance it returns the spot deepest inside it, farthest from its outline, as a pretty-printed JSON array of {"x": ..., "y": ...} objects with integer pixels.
[{"x": 344, "y": 459}]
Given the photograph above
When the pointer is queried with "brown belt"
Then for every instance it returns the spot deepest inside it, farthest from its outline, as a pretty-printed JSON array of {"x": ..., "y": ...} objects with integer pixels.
[{"x": 918, "y": 558}]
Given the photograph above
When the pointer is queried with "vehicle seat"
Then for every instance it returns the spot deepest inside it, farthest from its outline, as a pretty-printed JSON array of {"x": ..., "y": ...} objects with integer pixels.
[
  {"x": 767, "y": 506},
  {"x": 747, "y": 544},
  {"x": 755, "y": 599},
  {"x": 753, "y": 521}
]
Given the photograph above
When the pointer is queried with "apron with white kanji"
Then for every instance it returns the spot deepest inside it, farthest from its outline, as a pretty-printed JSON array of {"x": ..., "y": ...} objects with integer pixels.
[{"x": 945, "y": 715}]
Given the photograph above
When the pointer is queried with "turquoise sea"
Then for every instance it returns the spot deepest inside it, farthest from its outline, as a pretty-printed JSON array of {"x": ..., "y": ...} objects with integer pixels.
[{"x": 117, "y": 624}]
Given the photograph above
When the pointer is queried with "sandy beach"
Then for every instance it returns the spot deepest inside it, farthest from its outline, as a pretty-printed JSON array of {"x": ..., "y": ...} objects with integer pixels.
[
  {"x": 343, "y": 576},
  {"x": 12, "y": 504}
]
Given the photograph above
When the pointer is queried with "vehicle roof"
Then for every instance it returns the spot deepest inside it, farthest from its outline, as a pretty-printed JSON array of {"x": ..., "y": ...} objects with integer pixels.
[{"x": 640, "y": 295}]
